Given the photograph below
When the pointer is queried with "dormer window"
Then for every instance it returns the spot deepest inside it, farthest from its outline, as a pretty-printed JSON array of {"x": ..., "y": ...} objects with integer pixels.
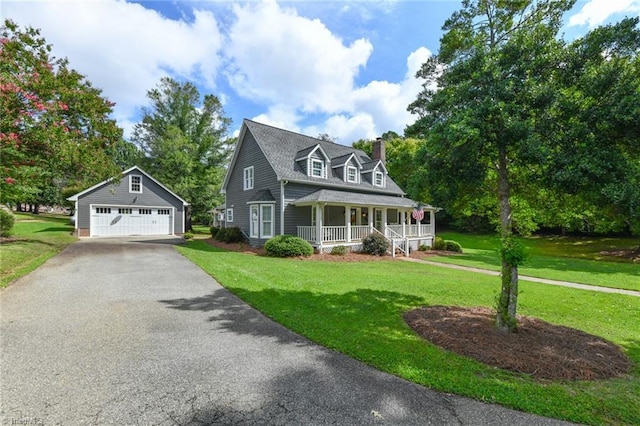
[
  {"x": 378, "y": 178},
  {"x": 317, "y": 168},
  {"x": 314, "y": 161},
  {"x": 352, "y": 174}
]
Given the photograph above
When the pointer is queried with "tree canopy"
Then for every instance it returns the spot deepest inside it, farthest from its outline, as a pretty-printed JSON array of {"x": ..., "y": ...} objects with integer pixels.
[
  {"x": 184, "y": 139},
  {"x": 575, "y": 167},
  {"x": 485, "y": 96},
  {"x": 55, "y": 129}
]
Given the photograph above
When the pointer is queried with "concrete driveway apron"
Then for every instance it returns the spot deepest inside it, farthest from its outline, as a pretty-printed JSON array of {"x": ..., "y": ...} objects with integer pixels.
[{"x": 127, "y": 331}]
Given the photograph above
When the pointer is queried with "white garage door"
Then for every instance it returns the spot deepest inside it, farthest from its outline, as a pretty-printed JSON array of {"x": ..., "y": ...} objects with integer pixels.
[{"x": 123, "y": 221}]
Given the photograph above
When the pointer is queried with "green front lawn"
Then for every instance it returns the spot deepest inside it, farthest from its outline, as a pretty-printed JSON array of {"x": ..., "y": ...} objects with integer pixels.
[
  {"x": 356, "y": 308},
  {"x": 36, "y": 238},
  {"x": 558, "y": 258}
]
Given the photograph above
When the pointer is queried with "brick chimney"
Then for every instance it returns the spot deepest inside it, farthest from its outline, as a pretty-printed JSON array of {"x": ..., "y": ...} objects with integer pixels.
[{"x": 379, "y": 151}]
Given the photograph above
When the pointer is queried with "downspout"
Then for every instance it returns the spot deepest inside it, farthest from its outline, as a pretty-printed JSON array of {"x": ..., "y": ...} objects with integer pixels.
[
  {"x": 282, "y": 185},
  {"x": 76, "y": 216}
]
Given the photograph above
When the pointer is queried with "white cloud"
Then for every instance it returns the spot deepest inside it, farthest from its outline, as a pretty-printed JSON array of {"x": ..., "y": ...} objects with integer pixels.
[
  {"x": 280, "y": 116},
  {"x": 348, "y": 129},
  {"x": 378, "y": 107},
  {"x": 124, "y": 48},
  {"x": 596, "y": 12},
  {"x": 278, "y": 56},
  {"x": 291, "y": 66}
]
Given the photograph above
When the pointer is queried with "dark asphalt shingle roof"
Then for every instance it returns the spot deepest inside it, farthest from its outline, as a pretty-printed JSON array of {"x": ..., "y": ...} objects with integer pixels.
[
  {"x": 354, "y": 198},
  {"x": 261, "y": 196},
  {"x": 282, "y": 147}
]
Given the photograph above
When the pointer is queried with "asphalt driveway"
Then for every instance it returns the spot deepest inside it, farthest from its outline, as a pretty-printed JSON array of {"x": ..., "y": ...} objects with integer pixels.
[{"x": 129, "y": 332}]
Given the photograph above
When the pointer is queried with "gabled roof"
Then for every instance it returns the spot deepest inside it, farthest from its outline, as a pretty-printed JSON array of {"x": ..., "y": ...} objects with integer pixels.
[
  {"x": 372, "y": 165},
  {"x": 305, "y": 153},
  {"x": 344, "y": 159},
  {"x": 282, "y": 147},
  {"x": 125, "y": 173},
  {"x": 264, "y": 195}
]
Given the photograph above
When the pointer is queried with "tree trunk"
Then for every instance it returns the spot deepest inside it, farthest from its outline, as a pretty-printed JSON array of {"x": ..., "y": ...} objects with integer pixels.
[{"x": 508, "y": 300}]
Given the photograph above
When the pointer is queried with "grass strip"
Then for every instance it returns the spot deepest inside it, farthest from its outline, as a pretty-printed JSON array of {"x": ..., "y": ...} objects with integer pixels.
[
  {"x": 559, "y": 258},
  {"x": 356, "y": 308},
  {"x": 36, "y": 238}
]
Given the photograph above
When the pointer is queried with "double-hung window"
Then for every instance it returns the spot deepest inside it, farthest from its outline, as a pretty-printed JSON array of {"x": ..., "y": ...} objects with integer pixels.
[
  {"x": 378, "y": 179},
  {"x": 255, "y": 220},
  {"x": 261, "y": 220},
  {"x": 248, "y": 178},
  {"x": 229, "y": 215},
  {"x": 317, "y": 168},
  {"x": 135, "y": 184},
  {"x": 352, "y": 174},
  {"x": 266, "y": 220}
]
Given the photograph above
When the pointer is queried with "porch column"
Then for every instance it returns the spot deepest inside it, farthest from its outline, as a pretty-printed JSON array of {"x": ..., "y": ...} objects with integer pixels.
[
  {"x": 432, "y": 221},
  {"x": 370, "y": 218},
  {"x": 404, "y": 224},
  {"x": 347, "y": 221},
  {"x": 319, "y": 226},
  {"x": 384, "y": 221}
]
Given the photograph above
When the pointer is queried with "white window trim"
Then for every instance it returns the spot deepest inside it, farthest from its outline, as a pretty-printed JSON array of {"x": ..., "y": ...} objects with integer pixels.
[
  {"x": 248, "y": 178},
  {"x": 323, "y": 168},
  {"x": 262, "y": 233},
  {"x": 355, "y": 176},
  {"x": 254, "y": 230},
  {"x": 377, "y": 173},
  {"x": 229, "y": 216},
  {"x": 259, "y": 232},
  {"x": 131, "y": 184}
]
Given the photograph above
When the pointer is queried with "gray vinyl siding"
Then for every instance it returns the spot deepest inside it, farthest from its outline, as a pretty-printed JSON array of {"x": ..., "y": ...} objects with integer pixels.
[
  {"x": 302, "y": 164},
  {"x": 108, "y": 194},
  {"x": 339, "y": 172},
  {"x": 297, "y": 216},
  {"x": 264, "y": 177}
]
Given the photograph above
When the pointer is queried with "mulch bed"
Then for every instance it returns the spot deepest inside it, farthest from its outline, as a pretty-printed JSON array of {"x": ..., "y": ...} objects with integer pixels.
[{"x": 538, "y": 349}]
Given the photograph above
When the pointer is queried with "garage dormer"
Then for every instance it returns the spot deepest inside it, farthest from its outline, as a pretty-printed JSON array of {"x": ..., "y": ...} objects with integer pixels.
[{"x": 314, "y": 161}]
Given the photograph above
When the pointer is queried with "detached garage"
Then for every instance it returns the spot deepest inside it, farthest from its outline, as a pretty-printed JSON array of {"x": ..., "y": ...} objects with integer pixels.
[{"x": 137, "y": 205}]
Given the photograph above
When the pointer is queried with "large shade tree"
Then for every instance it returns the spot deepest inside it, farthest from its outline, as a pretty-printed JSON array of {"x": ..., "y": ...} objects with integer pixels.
[
  {"x": 184, "y": 139},
  {"x": 549, "y": 128},
  {"x": 55, "y": 129},
  {"x": 594, "y": 125},
  {"x": 485, "y": 94}
]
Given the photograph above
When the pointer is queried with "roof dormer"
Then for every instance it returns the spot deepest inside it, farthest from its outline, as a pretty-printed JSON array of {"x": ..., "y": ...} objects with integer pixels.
[
  {"x": 348, "y": 167},
  {"x": 314, "y": 161},
  {"x": 376, "y": 173}
]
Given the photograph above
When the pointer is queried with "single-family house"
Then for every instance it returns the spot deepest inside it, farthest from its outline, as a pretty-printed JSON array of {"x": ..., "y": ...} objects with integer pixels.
[
  {"x": 137, "y": 204},
  {"x": 282, "y": 182}
]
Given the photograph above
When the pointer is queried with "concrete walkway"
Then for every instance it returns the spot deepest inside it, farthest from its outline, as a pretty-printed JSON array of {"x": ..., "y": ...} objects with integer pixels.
[
  {"x": 132, "y": 333},
  {"x": 526, "y": 278}
]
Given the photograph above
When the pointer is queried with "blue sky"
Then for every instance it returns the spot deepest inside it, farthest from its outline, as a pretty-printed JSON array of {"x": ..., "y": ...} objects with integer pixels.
[{"x": 345, "y": 68}]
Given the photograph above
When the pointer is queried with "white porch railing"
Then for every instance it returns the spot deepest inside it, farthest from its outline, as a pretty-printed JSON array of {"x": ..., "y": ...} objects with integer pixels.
[
  {"x": 418, "y": 230},
  {"x": 307, "y": 233},
  {"x": 359, "y": 232},
  {"x": 334, "y": 233}
]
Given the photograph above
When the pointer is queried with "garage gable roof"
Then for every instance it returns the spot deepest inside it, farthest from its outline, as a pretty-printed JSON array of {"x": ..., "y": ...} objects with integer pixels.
[{"x": 125, "y": 173}]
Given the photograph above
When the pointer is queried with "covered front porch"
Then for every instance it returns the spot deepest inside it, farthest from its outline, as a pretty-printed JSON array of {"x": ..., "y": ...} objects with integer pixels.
[{"x": 333, "y": 222}]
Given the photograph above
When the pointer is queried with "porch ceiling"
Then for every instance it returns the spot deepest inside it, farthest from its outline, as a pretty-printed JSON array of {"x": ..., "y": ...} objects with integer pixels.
[{"x": 354, "y": 199}]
